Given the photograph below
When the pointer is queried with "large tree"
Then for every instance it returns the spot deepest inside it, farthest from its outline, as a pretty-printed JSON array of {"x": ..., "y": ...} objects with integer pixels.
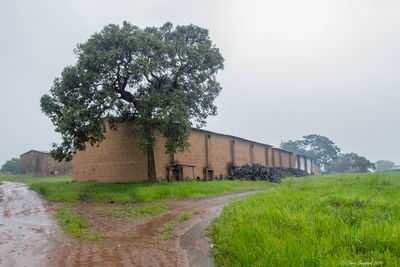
[
  {"x": 163, "y": 78},
  {"x": 319, "y": 147}
]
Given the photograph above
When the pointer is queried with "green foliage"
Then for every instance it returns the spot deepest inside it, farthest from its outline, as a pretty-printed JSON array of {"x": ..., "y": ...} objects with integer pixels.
[
  {"x": 319, "y": 147},
  {"x": 75, "y": 225},
  {"x": 348, "y": 162},
  {"x": 10, "y": 166},
  {"x": 162, "y": 77},
  {"x": 313, "y": 221},
  {"x": 184, "y": 217},
  {"x": 63, "y": 189},
  {"x": 171, "y": 225},
  {"x": 131, "y": 212},
  {"x": 167, "y": 230},
  {"x": 384, "y": 165}
]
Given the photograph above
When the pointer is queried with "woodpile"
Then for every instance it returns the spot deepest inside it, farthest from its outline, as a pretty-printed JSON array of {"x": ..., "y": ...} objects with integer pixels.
[{"x": 259, "y": 172}]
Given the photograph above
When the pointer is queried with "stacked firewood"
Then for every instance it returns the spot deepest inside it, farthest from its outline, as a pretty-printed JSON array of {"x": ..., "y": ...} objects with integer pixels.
[{"x": 260, "y": 172}]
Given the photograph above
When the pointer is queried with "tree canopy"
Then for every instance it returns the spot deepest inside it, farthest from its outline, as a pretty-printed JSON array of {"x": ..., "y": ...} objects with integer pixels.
[
  {"x": 10, "y": 166},
  {"x": 319, "y": 147},
  {"x": 163, "y": 78},
  {"x": 384, "y": 165},
  {"x": 350, "y": 162}
]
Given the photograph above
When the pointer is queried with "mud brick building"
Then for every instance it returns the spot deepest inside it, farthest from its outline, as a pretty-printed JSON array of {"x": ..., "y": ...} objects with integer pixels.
[
  {"x": 210, "y": 155},
  {"x": 41, "y": 164}
]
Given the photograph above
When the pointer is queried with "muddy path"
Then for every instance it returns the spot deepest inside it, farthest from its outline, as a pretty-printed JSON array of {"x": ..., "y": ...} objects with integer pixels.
[
  {"x": 30, "y": 237},
  {"x": 139, "y": 244},
  {"x": 28, "y": 234}
]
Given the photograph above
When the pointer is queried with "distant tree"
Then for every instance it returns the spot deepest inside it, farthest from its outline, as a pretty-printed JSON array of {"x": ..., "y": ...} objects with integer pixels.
[
  {"x": 163, "y": 78},
  {"x": 384, "y": 165},
  {"x": 350, "y": 162},
  {"x": 363, "y": 164},
  {"x": 295, "y": 146},
  {"x": 10, "y": 166},
  {"x": 319, "y": 147}
]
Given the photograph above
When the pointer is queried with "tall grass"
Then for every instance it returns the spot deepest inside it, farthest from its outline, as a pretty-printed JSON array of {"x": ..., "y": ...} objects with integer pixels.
[
  {"x": 314, "y": 221},
  {"x": 63, "y": 189}
]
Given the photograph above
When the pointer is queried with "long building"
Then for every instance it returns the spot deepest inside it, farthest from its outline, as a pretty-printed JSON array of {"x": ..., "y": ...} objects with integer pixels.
[{"x": 210, "y": 155}]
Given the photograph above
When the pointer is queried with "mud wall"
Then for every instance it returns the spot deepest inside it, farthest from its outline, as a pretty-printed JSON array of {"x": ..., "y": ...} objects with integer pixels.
[
  {"x": 116, "y": 159},
  {"x": 209, "y": 156},
  {"x": 41, "y": 164}
]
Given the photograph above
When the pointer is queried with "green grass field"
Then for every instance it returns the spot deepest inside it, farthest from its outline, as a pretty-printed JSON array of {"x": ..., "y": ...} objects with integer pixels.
[
  {"x": 351, "y": 219},
  {"x": 64, "y": 190}
]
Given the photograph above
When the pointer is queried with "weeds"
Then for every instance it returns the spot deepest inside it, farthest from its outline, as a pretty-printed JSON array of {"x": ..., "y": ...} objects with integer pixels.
[
  {"x": 75, "y": 225},
  {"x": 132, "y": 213},
  {"x": 171, "y": 225},
  {"x": 184, "y": 216},
  {"x": 167, "y": 230}
]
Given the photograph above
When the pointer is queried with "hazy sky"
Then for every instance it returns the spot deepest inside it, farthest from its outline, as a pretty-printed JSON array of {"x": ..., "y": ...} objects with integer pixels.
[{"x": 291, "y": 67}]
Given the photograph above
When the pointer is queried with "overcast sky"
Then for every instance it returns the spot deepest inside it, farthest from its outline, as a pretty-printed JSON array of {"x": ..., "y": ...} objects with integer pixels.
[{"x": 291, "y": 67}]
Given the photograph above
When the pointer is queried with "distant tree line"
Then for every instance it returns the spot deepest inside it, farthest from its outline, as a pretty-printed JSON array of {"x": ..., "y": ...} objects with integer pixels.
[
  {"x": 384, "y": 165},
  {"x": 327, "y": 155},
  {"x": 10, "y": 166}
]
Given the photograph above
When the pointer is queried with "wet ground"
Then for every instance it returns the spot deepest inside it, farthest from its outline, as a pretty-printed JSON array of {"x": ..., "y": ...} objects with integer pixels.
[
  {"x": 28, "y": 234},
  {"x": 30, "y": 237}
]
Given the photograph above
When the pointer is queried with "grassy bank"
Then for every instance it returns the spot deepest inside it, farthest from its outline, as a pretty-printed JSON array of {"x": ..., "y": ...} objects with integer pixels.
[
  {"x": 62, "y": 189},
  {"x": 336, "y": 220},
  {"x": 34, "y": 180}
]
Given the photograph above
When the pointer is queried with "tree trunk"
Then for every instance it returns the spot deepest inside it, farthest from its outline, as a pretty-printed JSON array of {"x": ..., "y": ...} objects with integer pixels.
[{"x": 151, "y": 164}]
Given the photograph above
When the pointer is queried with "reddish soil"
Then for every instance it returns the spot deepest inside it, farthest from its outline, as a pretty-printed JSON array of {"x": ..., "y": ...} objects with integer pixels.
[{"x": 30, "y": 237}]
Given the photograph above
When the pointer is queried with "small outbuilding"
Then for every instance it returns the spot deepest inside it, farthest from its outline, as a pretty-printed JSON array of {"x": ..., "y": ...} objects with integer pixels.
[{"x": 41, "y": 164}]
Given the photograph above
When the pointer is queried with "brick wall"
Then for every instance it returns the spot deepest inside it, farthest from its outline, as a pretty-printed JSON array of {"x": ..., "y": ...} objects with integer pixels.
[
  {"x": 222, "y": 154},
  {"x": 260, "y": 154},
  {"x": 285, "y": 157},
  {"x": 196, "y": 155},
  {"x": 116, "y": 159}
]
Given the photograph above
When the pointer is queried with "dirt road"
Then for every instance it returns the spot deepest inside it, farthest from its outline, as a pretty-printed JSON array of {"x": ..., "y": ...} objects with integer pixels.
[
  {"x": 30, "y": 237},
  {"x": 28, "y": 234}
]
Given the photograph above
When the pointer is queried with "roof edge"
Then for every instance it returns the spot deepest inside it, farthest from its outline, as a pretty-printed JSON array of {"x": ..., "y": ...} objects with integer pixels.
[{"x": 37, "y": 151}]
